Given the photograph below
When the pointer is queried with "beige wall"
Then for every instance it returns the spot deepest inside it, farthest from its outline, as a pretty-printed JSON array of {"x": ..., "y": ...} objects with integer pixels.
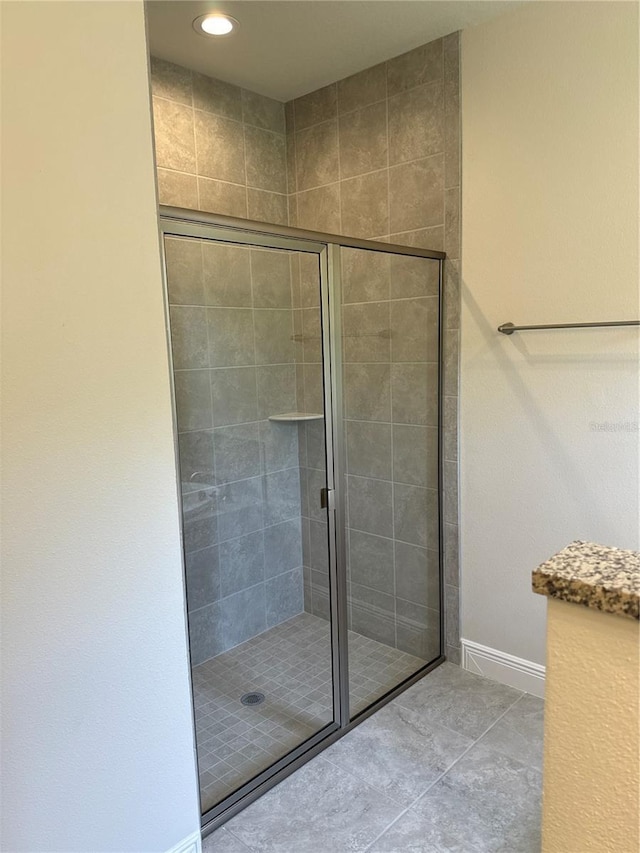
[
  {"x": 97, "y": 732},
  {"x": 550, "y": 235},
  {"x": 591, "y": 800}
]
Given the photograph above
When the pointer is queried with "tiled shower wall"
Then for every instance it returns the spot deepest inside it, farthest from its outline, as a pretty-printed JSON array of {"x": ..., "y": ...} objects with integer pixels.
[
  {"x": 232, "y": 329},
  {"x": 377, "y": 155},
  {"x": 219, "y": 148}
]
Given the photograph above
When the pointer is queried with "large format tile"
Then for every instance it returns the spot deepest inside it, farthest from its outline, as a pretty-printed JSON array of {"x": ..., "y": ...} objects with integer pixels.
[
  {"x": 175, "y": 148},
  {"x": 398, "y": 752},
  {"x": 487, "y": 803},
  {"x": 317, "y": 155},
  {"x": 519, "y": 734},
  {"x": 319, "y": 808},
  {"x": 464, "y": 702},
  {"x": 220, "y": 147},
  {"x": 223, "y": 841},
  {"x": 265, "y": 160},
  {"x": 364, "y": 205},
  {"x": 418, "y": 66},
  {"x": 184, "y": 270},
  {"x": 365, "y": 275},
  {"x": 362, "y": 88},
  {"x": 363, "y": 140},
  {"x": 170, "y": 81},
  {"x": 227, "y": 275},
  {"x": 416, "y": 123}
]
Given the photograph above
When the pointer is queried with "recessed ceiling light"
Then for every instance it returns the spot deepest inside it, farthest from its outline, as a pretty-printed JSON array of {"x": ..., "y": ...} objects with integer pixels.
[{"x": 214, "y": 24}]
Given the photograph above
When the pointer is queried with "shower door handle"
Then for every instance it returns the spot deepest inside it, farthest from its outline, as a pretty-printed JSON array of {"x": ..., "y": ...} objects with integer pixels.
[{"x": 327, "y": 499}]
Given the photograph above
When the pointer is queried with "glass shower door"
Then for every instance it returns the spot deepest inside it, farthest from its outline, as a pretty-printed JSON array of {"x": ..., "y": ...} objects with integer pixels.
[
  {"x": 390, "y": 367},
  {"x": 248, "y": 367}
]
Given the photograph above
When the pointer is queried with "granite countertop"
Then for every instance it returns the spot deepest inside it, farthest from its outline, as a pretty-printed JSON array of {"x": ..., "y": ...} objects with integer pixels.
[{"x": 596, "y": 576}]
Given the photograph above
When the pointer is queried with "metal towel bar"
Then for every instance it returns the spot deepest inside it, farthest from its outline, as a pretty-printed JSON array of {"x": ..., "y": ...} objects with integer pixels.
[{"x": 509, "y": 328}]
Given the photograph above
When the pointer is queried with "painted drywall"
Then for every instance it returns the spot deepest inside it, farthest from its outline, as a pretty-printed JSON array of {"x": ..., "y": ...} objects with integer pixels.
[
  {"x": 591, "y": 798},
  {"x": 549, "y": 420},
  {"x": 97, "y": 748}
]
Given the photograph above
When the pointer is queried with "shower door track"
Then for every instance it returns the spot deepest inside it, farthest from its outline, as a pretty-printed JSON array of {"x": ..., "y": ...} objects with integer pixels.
[{"x": 195, "y": 224}]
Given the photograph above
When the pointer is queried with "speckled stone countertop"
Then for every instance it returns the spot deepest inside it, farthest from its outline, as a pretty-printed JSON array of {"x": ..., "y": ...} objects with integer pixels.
[{"x": 597, "y": 576}]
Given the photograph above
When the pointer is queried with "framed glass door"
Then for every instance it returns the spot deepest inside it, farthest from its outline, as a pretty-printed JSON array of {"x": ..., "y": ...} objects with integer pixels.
[
  {"x": 307, "y": 380},
  {"x": 247, "y": 320}
]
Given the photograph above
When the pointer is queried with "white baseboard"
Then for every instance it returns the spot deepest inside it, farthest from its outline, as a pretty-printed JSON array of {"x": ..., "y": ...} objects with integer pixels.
[
  {"x": 191, "y": 844},
  {"x": 507, "y": 669}
]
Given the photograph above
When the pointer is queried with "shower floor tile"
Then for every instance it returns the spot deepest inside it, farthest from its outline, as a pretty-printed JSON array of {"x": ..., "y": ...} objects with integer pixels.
[{"x": 291, "y": 665}]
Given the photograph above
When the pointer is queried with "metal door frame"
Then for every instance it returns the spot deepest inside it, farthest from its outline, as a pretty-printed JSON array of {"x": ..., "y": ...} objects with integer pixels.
[{"x": 179, "y": 222}]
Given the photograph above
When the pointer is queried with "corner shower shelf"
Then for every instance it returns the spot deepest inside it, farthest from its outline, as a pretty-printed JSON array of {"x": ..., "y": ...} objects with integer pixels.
[{"x": 296, "y": 417}]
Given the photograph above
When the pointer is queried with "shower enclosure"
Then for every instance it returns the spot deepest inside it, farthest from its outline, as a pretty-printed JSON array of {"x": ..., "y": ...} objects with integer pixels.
[{"x": 307, "y": 383}]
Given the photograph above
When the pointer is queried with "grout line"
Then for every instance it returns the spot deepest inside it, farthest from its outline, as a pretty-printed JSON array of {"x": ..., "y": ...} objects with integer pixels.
[{"x": 443, "y": 774}]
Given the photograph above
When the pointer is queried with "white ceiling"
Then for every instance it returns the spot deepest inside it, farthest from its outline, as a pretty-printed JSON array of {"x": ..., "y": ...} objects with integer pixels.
[{"x": 286, "y": 48}]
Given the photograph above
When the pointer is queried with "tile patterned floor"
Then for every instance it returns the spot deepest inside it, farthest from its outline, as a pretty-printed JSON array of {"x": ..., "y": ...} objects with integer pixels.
[
  {"x": 291, "y": 665},
  {"x": 453, "y": 765}
]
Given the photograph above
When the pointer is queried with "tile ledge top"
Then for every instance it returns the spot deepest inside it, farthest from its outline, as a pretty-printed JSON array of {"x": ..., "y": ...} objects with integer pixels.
[{"x": 597, "y": 576}]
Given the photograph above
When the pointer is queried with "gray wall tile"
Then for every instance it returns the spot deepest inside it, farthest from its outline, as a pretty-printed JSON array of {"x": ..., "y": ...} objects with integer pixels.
[
  {"x": 202, "y": 579},
  {"x": 263, "y": 206},
  {"x": 271, "y": 277},
  {"x": 416, "y": 123},
  {"x": 415, "y": 455},
  {"x": 220, "y": 146},
  {"x": 365, "y": 275},
  {"x": 240, "y": 508},
  {"x": 365, "y": 207},
  {"x": 279, "y": 445},
  {"x": 205, "y": 633},
  {"x": 233, "y": 393},
  {"x": 193, "y": 400},
  {"x": 366, "y": 331},
  {"x": 265, "y": 160},
  {"x": 216, "y": 96},
  {"x": 319, "y": 209},
  {"x": 196, "y": 455},
  {"x": 283, "y": 597},
  {"x": 221, "y": 197},
  {"x": 260, "y": 111},
  {"x": 367, "y": 392},
  {"x": 415, "y": 393},
  {"x": 241, "y": 563},
  {"x": 237, "y": 452},
  {"x": 282, "y": 496},
  {"x": 282, "y": 547},
  {"x": 416, "y": 67},
  {"x": 227, "y": 275},
  {"x": 315, "y": 107},
  {"x": 177, "y": 189},
  {"x": 175, "y": 148},
  {"x": 189, "y": 344},
  {"x": 317, "y": 155},
  {"x": 369, "y": 449},
  {"x": 370, "y": 505},
  {"x": 231, "y": 342},
  {"x": 243, "y": 615},
  {"x": 363, "y": 88},
  {"x": 416, "y": 194},
  {"x": 170, "y": 81},
  {"x": 416, "y": 515},
  {"x": 413, "y": 277},
  {"x": 363, "y": 140},
  {"x": 371, "y": 561},
  {"x": 417, "y": 575},
  {"x": 276, "y": 389},
  {"x": 273, "y": 330},
  {"x": 184, "y": 271},
  {"x": 414, "y": 329}
]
